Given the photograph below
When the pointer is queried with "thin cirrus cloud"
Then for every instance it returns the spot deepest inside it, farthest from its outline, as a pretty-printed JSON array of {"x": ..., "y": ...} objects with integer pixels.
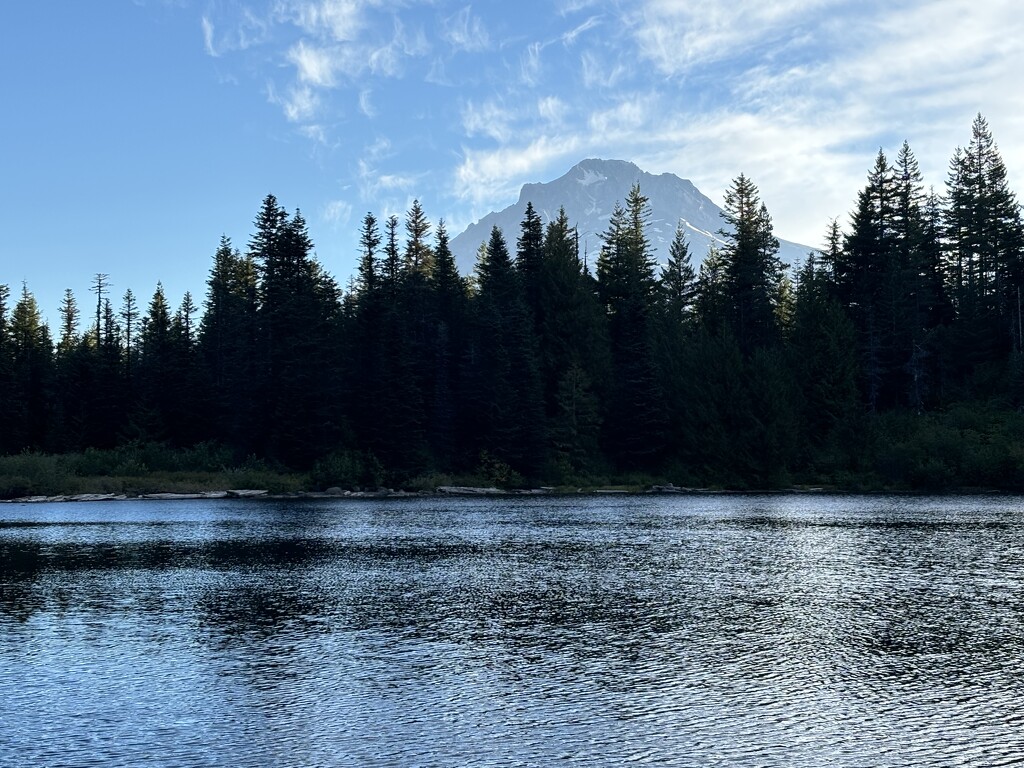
[{"x": 465, "y": 31}]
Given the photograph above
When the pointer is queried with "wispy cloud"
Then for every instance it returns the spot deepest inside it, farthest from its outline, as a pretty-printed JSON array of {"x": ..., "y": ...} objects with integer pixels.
[
  {"x": 465, "y": 31},
  {"x": 569, "y": 38},
  {"x": 598, "y": 71},
  {"x": 208, "y": 36},
  {"x": 552, "y": 110},
  {"x": 485, "y": 176},
  {"x": 530, "y": 64},
  {"x": 315, "y": 66},
  {"x": 679, "y": 36},
  {"x": 337, "y": 212},
  {"x": 299, "y": 103},
  {"x": 488, "y": 119},
  {"x": 246, "y": 31},
  {"x": 339, "y": 20},
  {"x": 366, "y": 103}
]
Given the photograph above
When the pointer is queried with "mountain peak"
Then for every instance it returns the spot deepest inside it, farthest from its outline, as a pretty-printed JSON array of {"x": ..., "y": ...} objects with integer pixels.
[{"x": 589, "y": 191}]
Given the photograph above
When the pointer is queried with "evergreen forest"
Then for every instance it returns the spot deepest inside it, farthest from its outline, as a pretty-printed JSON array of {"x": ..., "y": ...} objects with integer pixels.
[{"x": 891, "y": 358}]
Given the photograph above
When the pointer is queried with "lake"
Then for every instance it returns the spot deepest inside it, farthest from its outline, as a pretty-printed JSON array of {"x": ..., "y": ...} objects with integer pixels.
[{"x": 731, "y": 630}]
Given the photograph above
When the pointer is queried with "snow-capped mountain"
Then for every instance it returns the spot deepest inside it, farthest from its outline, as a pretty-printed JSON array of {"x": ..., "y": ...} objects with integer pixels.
[{"x": 590, "y": 190}]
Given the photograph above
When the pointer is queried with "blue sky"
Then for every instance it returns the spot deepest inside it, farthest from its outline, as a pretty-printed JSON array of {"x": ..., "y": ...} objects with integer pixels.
[{"x": 136, "y": 133}]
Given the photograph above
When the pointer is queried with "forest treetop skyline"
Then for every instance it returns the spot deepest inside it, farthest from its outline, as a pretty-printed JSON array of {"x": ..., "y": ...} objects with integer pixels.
[{"x": 143, "y": 131}]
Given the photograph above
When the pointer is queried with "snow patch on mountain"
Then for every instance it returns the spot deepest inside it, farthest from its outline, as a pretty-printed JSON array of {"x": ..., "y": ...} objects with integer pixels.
[{"x": 589, "y": 177}]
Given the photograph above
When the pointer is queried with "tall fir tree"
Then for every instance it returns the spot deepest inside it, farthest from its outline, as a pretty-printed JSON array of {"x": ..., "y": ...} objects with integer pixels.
[
  {"x": 574, "y": 348},
  {"x": 634, "y": 433},
  {"x": 504, "y": 377},
  {"x": 449, "y": 339},
  {"x": 753, "y": 270},
  {"x": 229, "y": 348},
  {"x": 530, "y": 261},
  {"x": 986, "y": 249},
  {"x": 677, "y": 287},
  {"x": 866, "y": 275},
  {"x": 28, "y": 400}
]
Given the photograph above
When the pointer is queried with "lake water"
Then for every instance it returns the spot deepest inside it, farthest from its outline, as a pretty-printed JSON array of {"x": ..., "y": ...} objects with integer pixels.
[{"x": 599, "y": 631}]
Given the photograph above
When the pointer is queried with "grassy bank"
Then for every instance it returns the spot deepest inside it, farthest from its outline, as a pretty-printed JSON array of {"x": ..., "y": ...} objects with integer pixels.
[
  {"x": 136, "y": 469},
  {"x": 967, "y": 448}
]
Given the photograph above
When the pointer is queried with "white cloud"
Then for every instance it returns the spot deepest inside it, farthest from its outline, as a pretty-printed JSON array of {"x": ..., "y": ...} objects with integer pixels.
[
  {"x": 487, "y": 177},
  {"x": 626, "y": 121},
  {"x": 315, "y": 66},
  {"x": 248, "y": 30},
  {"x": 366, "y": 103},
  {"x": 337, "y": 212},
  {"x": 488, "y": 119},
  {"x": 387, "y": 60},
  {"x": 679, "y": 36},
  {"x": 437, "y": 74},
  {"x": 552, "y": 109},
  {"x": 300, "y": 104},
  {"x": 465, "y": 31},
  {"x": 315, "y": 132},
  {"x": 598, "y": 72},
  {"x": 340, "y": 20},
  {"x": 569, "y": 38},
  {"x": 208, "y": 37},
  {"x": 376, "y": 186},
  {"x": 529, "y": 64},
  {"x": 381, "y": 147}
]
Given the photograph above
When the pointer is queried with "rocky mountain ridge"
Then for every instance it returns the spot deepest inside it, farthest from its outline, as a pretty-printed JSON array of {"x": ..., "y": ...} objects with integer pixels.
[{"x": 589, "y": 191}]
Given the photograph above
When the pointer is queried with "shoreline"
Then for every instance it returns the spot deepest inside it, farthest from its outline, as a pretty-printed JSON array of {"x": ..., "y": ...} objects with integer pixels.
[{"x": 481, "y": 492}]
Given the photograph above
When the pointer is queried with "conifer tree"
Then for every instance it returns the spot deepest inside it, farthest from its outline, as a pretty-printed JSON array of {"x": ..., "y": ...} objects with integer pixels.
[
  {"x": 72, "y": 372},
  {"x": 917, "y": 280},
  {"x": 31, "y": 369},
  {"x": 574, "y": 349},
  {"x": 369, "y": 242},
  {"x": 297, "y": 309},
  {"x": 530, "y": 262},
  {"x": 450, "y": 317},
  {"x": 986, "y": 242},
  {"x": 129, "y": 315},
  {"x": 867, "y": 279},
  {"x": 712, "y": 301},
  {"x": 418, "y": 254},
  {"x": 753, "y": 271},
  {"x": 69, "y": 317},
  {"x": 392, "y": 272},
  {"x": 100, "y": 286},
  {"x": 6, "y": 373},
  {"x": 228, "y": 347},
  {"x": 508, "y": 402},
  {"x": 635, "y": 417},
  {"x": 824, "y": 360},
  {"x": 157, "y": 404},
  {"x": 678, "y": 284}
]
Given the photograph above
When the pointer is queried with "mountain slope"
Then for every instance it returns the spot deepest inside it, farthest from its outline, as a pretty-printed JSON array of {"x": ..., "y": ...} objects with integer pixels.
[{"x": 590, "y": 190}]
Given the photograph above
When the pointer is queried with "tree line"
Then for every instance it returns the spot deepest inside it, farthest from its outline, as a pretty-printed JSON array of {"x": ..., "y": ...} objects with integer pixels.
[{"x": 541, "y": 367}]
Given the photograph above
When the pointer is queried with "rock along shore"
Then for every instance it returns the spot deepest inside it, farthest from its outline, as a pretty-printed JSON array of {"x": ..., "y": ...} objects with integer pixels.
[{"x": 380, "y": 493}]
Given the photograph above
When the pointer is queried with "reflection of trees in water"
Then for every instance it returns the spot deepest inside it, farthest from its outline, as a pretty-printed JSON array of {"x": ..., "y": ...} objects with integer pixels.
[{"x": 20, "y": 567}]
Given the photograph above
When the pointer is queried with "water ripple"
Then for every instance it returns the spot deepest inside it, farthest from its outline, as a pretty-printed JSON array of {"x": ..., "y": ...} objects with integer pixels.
[{"x": 705, "y": 631}]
